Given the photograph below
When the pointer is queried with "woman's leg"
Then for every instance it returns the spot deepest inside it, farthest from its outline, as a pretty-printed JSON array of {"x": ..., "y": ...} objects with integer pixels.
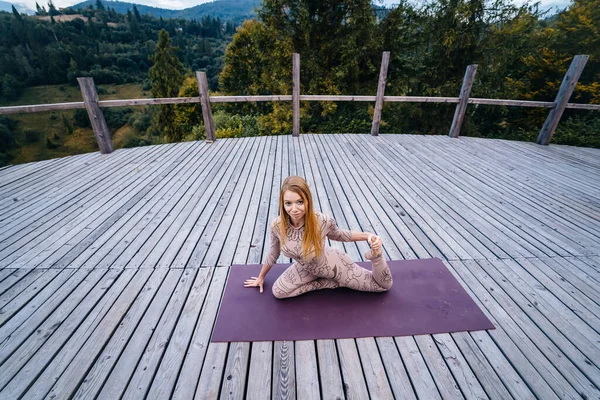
[
  {"x": 296, "y": 280},
  {"x": 351, "y": 275}
]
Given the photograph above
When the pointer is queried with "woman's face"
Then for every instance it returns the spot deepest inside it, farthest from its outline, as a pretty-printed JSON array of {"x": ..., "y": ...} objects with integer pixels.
[{"x": 293, "y": 205}]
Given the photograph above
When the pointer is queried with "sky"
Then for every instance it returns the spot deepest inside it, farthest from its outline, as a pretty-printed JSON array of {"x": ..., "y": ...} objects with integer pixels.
[{"x": 180, "y": 4}]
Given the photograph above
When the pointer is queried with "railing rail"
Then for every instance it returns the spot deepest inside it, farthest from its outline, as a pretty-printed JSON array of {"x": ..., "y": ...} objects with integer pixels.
[{"x": 93, "y": 104}]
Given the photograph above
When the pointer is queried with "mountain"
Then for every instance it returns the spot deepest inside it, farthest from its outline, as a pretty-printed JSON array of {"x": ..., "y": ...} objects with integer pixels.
[
  {"x": 235, "y": 10},
  {"x": 22, "y": 8}
]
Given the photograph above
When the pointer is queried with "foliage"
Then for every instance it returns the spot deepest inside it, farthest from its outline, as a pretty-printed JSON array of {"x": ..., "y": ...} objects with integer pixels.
[{"x": 166, "y": 76}]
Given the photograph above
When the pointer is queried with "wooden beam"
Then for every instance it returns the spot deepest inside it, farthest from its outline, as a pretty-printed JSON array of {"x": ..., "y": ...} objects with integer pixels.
[
  {"x": 515, "y": 103},
  {"x": 463, "y": 99},
  {"x": 385, "y": 60},
  {"x": 90, "y": 98},
  {"x": 296, "y": 94},
  {"x": 564, "y": 93},
  {"x": 206, "y": 110}
]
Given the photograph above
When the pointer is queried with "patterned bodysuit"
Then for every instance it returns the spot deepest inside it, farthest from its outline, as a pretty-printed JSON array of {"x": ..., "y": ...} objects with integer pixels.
[{"x": 333, "y": 269}]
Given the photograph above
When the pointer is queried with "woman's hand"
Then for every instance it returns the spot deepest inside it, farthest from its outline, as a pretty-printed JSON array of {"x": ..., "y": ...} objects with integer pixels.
[
  {"x": 376, "y": 244},
  {"x": 371, "y": 238},
  {"x": 254, "y": 282}
]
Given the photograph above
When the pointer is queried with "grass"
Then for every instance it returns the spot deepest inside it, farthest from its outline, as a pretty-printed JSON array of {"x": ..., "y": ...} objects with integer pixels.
[{"x": 50, "y": 125}]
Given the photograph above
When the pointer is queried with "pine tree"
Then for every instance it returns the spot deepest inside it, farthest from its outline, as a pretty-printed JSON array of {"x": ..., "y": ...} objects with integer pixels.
[
  {"x": 166, "y": 76},
  {"x": 16, "y": 14}
]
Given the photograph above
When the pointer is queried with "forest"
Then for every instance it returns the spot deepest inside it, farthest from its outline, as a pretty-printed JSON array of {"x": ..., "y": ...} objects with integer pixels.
[{"x": 521, "y": 53}]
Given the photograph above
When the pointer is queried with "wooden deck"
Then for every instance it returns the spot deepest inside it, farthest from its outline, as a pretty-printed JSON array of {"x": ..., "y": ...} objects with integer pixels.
[{"x": 112, "y": 268}]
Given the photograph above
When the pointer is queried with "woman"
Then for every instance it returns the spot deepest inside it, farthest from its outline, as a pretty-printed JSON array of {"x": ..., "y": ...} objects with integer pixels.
[{"x": 300, "y": 233}]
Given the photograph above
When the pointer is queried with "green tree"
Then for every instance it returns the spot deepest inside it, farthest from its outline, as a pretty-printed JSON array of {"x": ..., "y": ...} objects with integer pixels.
[{"x": 166, "y": 76}]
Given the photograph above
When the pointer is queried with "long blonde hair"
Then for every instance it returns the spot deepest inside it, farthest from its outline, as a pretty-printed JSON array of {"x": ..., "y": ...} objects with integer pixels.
[{"x": 312, "y": 234}]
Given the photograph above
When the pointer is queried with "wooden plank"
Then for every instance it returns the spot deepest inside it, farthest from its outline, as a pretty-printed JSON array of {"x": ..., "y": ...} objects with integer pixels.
[
  {"x": 34, "y": 312},
  {"x": 61, "y": 181},
  {"x": 329, "y": 371},
  {"x": 546, "y": 304},
  {"x": 562, "y": 98},
  {"x": 513, "y": 103},
  {"x": 480, "y": 365},
  {"x": 95, "y": 249},
  {"x": 373, "y": 369},
  {"x": 235, "y": 99},
  {"x": 447, "y": 386},
  {"x": 236, "y": 368},
  {"x": 68, "y": 371},
  {"x": 296, "y": 94},
  {"x": 64, "y": 343},
  {"x": 207, "y": 225},
  {"x": 394, "y": 366},
  {"x": 92, "y": 218},
  {"x": 430, "y": 364},
  {"x": 15, "y": 276},
  {"x": 547, "y": 199},
  {"x": 417, "y": 99},
  {"x": 548, "y": 217},
  {"x": 146, "y": 243},
  {"x": 98, "y": 366},
  {"x": 25, "y": 216},
  {"x": 19, "y": 295},
  {"x": 411, "y": 188},
  {"x": 307, "y": 371},
  {"x": 197, "y": 229},
  {"x": 471, "y": 205},
  {"x": 284, "y": 372},
  {"x": 463, "y": 99},
  {"x": 45, "y": 227},
  {"x": 90, "y": 98},
  {"x": 157, "y": 371},
  {"x": 122, "y": 246},
  {"x": 193, "y": 368},
  {"x": 152, "y": 300},
  {"x": 256, "y": 218},
  {"x": 401, "y": 215},
  {"x": 49, "y": 336},
  {"x": 209, "y": 124},
  {"x": 470, "y": 387},
  {"x": 212, "y": 373},
  {"x": 41, "y": 107},
  {"x": 527, "y": 336},
  {"x": 18, "y": 189},
  {"x": 115, "y": 383},
  {"x": 422, "y": 380},
  {"x": 222, "y": 248}
]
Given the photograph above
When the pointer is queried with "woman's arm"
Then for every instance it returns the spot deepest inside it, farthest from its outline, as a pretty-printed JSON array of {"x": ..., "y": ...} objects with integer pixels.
[
  {"x": 273, "y": 253},
  {"x": 343, "y": 235},
  {"x": 359, "y": 236}
]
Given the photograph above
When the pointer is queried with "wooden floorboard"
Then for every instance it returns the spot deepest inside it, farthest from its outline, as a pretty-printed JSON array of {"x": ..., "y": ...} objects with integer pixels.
[{"x": 112, "y": 268}]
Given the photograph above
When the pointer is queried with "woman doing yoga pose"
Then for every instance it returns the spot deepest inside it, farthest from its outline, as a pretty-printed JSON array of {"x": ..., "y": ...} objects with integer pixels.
[{"x": 299, "y": 232}]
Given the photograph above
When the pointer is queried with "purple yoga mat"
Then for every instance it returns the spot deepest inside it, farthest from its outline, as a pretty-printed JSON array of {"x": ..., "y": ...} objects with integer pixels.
[{"x": 424, "y": 299}]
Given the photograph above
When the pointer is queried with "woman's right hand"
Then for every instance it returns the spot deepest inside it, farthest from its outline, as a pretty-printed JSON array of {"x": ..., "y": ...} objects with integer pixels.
[{"x": 254, "y": 282}]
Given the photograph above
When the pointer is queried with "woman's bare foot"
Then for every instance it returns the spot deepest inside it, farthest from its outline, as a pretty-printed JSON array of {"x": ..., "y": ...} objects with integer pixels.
[{"x": 376, "y": 246}]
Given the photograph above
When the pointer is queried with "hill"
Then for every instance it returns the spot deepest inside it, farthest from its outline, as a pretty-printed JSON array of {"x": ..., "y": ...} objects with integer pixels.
[{"x": 234, "y": 10}]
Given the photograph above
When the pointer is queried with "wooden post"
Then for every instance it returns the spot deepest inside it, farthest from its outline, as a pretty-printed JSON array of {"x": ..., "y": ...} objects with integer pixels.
[
  {"x": 206, "y": 110},
  {"x": 90, "y": 98},
  {"x": 385, "y": 60},
  {"x": 461, "y": 108},
  {"x": 296, "y": 94},
  {"x": 562, "y": 98}
]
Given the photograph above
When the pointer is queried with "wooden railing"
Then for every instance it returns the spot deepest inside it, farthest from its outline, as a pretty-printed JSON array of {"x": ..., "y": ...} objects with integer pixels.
[{"x": 93, "y": 104}]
